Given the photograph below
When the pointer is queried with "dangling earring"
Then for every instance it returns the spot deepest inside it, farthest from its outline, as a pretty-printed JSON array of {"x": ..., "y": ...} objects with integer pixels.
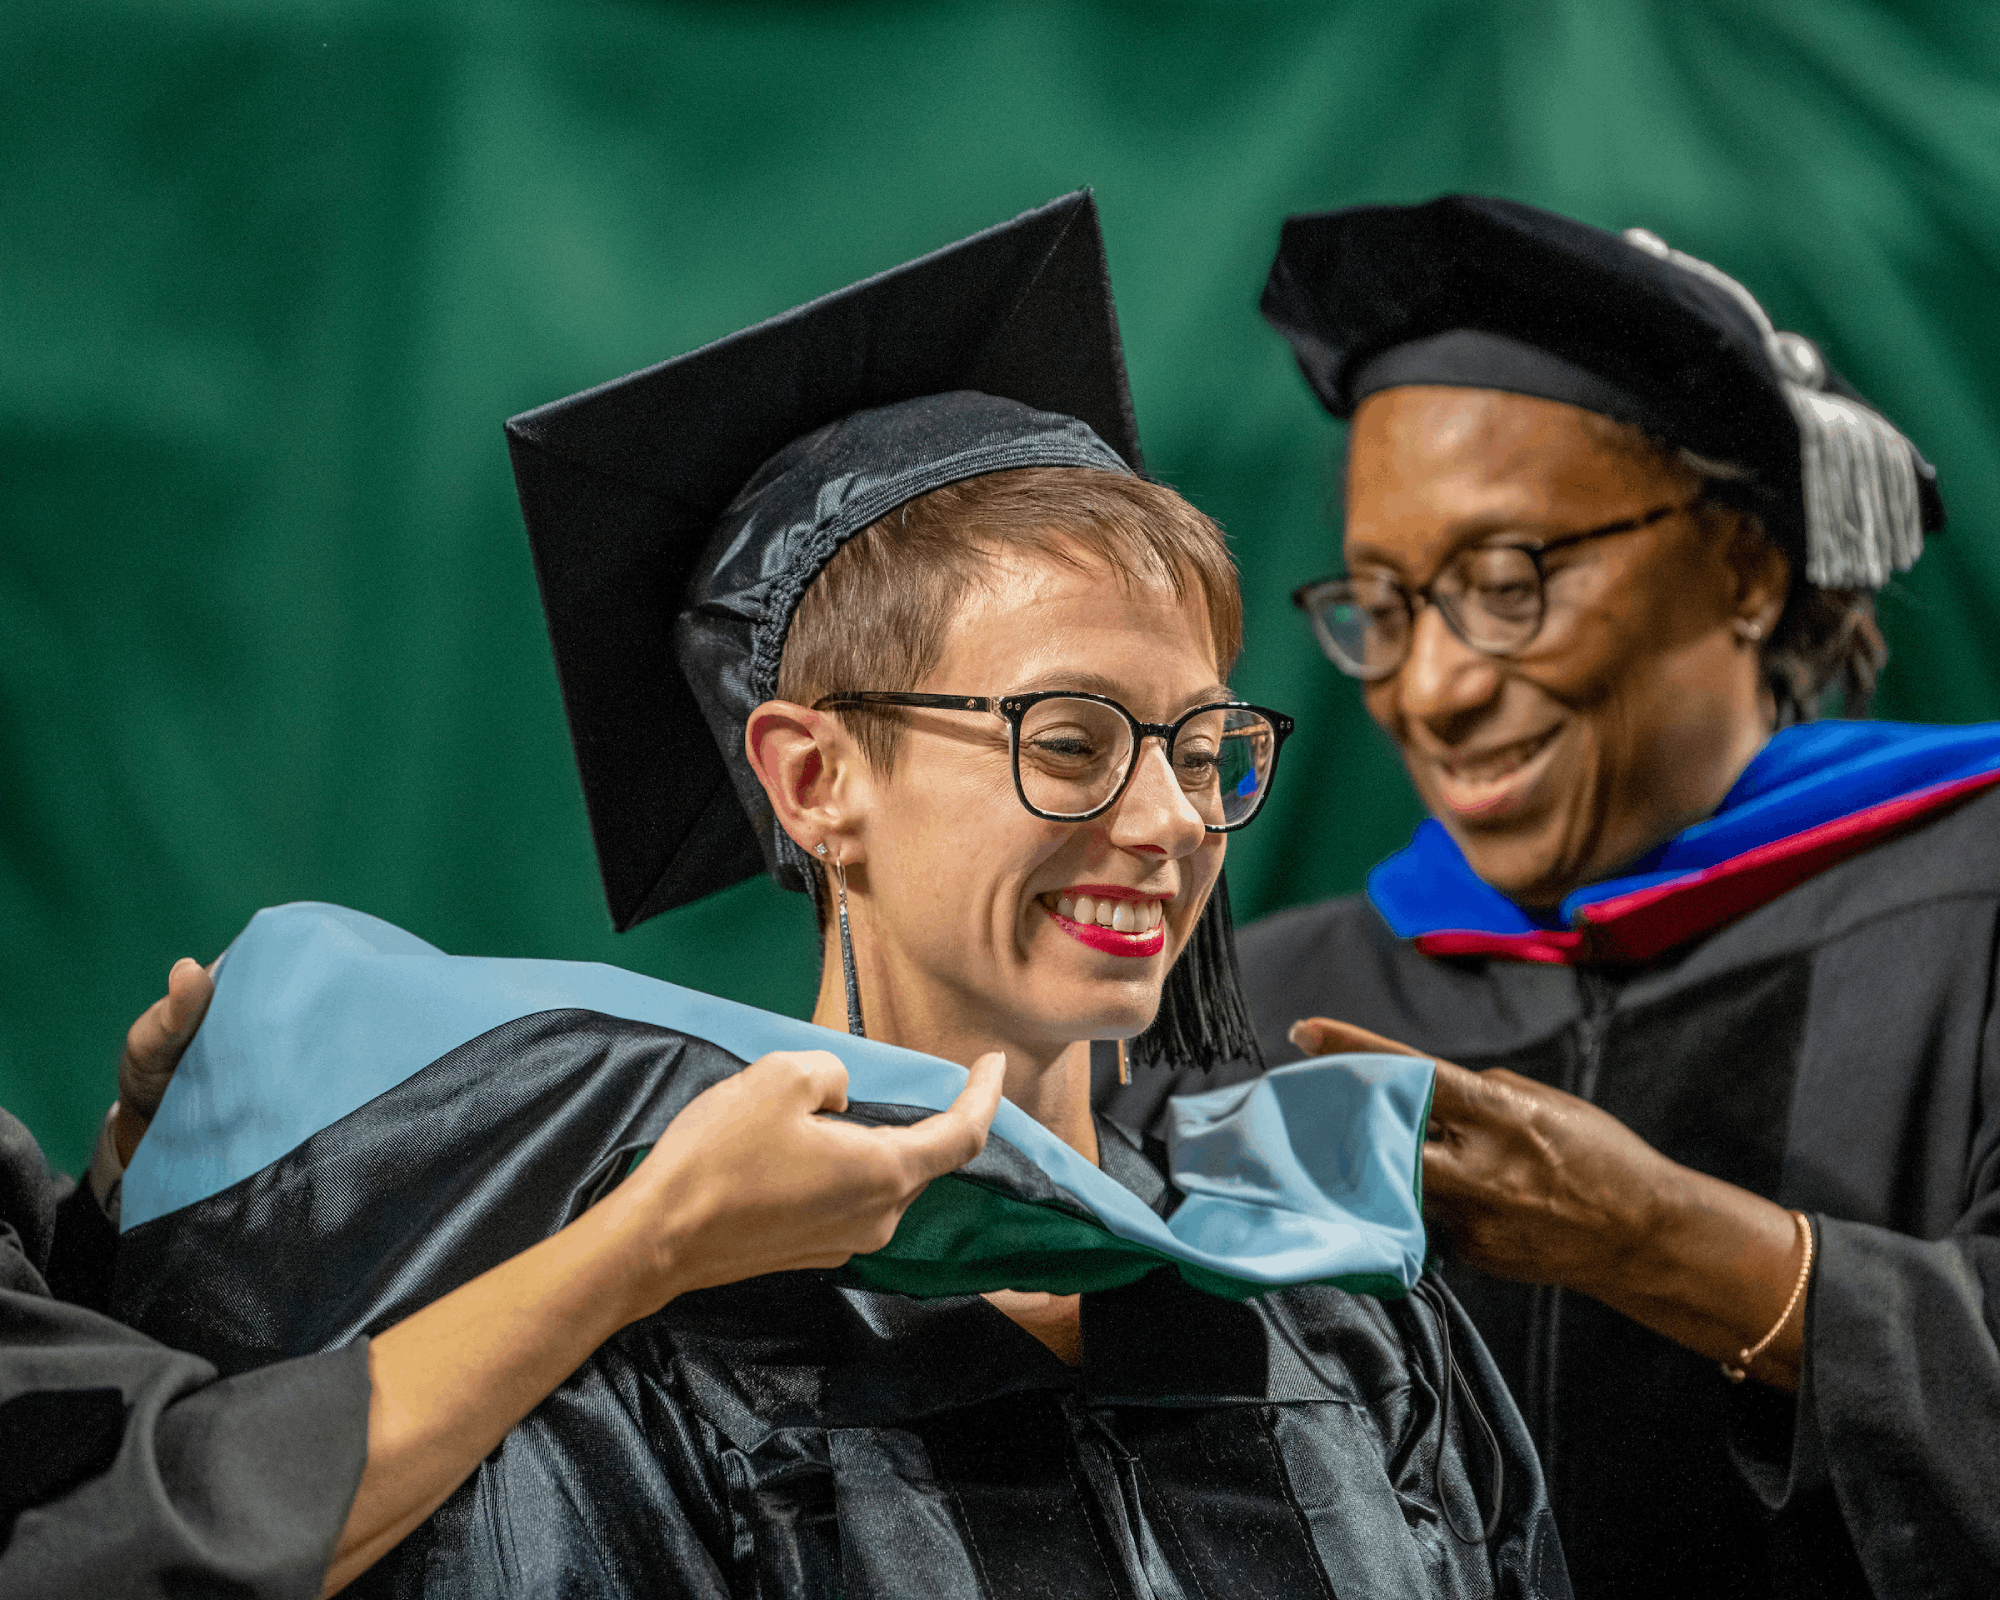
[{"x": 846, "y": 945}]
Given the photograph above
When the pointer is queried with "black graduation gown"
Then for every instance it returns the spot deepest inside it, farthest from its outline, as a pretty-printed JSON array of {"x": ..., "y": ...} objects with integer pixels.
[
  {"x": 796, "y": 1435},
  {"x": 126, "y": 1468},
  {"x": 1838, "y": 1050}
]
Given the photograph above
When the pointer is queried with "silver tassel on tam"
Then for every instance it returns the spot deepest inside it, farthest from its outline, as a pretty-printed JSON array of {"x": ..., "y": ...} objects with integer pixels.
[{"x": 1864, "y": 522}]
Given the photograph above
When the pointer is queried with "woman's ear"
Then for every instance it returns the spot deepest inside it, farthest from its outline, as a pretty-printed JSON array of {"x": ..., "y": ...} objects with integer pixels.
[
  {"x": 812, "y": 774},
  {"x": 1763, "y": 575}
]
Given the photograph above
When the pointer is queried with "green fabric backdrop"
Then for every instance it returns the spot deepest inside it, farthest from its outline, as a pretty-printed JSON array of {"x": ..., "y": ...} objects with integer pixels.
[{"x": 273, "y": 271}]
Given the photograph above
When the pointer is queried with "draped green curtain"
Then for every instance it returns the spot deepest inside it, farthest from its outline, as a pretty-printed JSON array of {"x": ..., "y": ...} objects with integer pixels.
[{"x": 273, "y": 271}]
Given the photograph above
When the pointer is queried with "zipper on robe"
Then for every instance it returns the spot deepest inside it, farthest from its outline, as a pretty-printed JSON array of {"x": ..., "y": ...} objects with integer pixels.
[{"x": 1597, "y": 996}]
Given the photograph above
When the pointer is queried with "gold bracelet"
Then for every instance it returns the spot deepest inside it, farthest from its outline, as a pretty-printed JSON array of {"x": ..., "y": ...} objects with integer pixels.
[{"x": 1741, "y": 1370}]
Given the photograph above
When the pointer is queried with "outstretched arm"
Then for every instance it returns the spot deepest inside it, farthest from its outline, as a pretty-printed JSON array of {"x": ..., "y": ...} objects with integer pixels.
[{"x": 749, "y": 1179}]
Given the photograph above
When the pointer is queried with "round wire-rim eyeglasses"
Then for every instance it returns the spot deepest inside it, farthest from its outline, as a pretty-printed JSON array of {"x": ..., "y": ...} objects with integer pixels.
[
  {"x": 1346, "y": 626},
  {"x": 1014, "y": 710}
]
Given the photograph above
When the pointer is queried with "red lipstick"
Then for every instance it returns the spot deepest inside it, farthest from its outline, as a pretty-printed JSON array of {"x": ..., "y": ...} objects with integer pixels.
[{"x": 1110, "y": 940}]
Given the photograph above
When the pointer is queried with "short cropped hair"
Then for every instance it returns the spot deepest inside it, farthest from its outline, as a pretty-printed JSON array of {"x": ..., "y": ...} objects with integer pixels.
[{"x": 879, "y": 615}]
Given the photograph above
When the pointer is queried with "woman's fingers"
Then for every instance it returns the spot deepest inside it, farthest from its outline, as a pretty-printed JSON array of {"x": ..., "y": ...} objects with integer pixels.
[
  {"x": 1459, "y": 1096},
  {"x": 1503, "y": 1156},
  {"x": 1322, "y": 1036},
  {"x": 165, "y": 1027},
  {"x": 153, "y": 1049},
  {"x": 189, "y": 990},
  {"x": 1531, "y": 1183},
  {"x": 155, "y": 1043},
  {"x": 945, "y": 1142},
  {"x": 820, "y": 1072},
  {"x": 751, "y": 1177}
]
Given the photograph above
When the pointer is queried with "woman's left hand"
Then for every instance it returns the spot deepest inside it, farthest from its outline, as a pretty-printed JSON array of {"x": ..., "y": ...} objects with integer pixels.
[{"x": 1526, "y": 1182}]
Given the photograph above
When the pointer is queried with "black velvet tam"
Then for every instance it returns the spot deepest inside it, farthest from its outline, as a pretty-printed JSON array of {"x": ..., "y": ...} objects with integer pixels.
[
  {"x": 1484, "y": 293},
  {"x": 677, "y": 515}
]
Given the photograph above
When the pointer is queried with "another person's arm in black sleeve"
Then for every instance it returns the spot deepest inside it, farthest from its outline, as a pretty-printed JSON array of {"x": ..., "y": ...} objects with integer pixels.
[
  {"x": 126, "y": 1468},
  {"x": 83, "y": 1249}
]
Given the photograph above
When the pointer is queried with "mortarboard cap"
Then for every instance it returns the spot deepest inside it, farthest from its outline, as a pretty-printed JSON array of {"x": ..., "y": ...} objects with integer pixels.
[
  {"x": 1486, "y": 293},
  {"x": 677, "y": 515}
]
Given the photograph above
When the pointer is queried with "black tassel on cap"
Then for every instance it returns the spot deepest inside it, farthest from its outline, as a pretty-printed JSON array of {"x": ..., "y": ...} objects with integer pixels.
[{"x": 1203, "y": 1021}]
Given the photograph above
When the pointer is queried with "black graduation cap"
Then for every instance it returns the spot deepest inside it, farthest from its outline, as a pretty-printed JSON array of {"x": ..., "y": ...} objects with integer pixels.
[
  {"x": 677, "y": 515},
  {"x": 1486, "y": 293}
]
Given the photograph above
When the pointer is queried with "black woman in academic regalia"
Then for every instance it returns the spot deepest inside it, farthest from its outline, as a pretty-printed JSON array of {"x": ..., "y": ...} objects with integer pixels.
[
  {"x": 875, "y": 597},
  {"x": 1727, "y": 1204}
]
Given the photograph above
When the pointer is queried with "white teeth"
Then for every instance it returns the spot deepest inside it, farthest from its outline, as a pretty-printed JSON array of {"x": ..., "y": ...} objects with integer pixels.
[
  {"x": 1122, "y": 916},
  {"x": 1502, "y": 764}
]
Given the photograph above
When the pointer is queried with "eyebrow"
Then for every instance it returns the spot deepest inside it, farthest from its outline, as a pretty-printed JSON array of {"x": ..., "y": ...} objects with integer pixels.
[{"x": 1097, "y": 683}]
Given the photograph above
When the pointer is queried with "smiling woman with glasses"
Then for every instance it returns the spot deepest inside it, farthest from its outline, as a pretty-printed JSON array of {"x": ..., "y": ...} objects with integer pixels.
[{"x": 827, "y": 606}]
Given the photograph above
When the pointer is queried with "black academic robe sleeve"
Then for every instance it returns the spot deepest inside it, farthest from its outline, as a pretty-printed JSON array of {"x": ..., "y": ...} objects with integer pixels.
[{"x": 127, "y": 1468}]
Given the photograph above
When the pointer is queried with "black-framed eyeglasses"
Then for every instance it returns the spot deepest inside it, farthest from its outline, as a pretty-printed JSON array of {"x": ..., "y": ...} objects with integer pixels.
[
  {"x": 1494, "y": 597},
  {"x": 1075, "y": 753}
]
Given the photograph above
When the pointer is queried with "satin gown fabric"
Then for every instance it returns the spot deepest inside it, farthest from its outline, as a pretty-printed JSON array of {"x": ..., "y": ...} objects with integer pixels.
[
  {"x": 808, "y": 1435},
  {"x": 1310, "y": 1176},
  {"x": 799, "y": 1436}
]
